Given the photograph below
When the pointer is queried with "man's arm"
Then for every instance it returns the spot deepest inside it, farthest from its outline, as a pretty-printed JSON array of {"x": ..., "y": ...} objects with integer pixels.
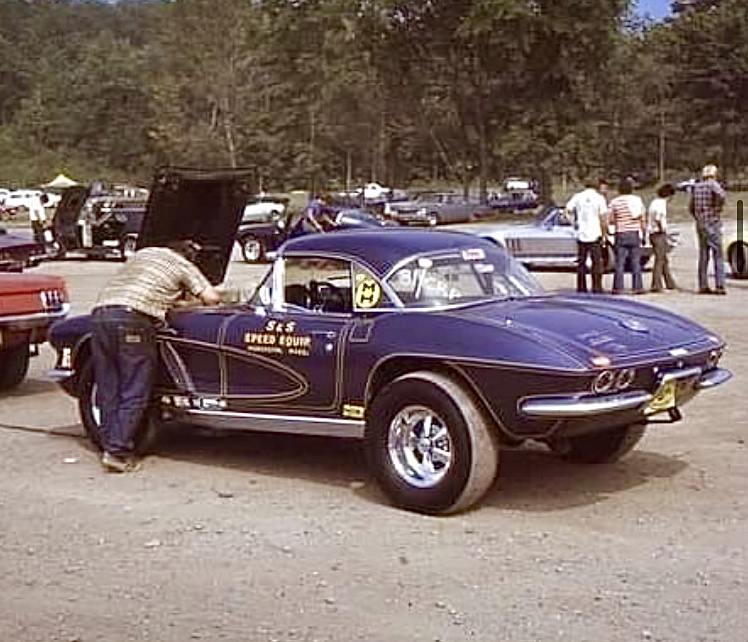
[{"x": 210, "y": 296}]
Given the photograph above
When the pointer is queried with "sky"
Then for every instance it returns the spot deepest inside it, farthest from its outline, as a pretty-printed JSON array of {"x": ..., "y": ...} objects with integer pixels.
[{"x": 658, "y": 9}]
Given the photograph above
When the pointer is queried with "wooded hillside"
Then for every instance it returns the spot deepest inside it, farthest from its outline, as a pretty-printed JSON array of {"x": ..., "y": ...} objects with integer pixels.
[{"x": 320, "y": 93}]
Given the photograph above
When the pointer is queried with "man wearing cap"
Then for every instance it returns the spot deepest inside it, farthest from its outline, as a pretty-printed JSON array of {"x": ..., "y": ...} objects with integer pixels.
[
  {"x": 707, "y": 200},
  {"x": 128, "y": 312}
]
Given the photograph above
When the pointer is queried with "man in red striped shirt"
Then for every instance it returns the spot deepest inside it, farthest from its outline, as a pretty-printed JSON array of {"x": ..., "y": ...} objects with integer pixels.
[{"x": 626, "y": 214}]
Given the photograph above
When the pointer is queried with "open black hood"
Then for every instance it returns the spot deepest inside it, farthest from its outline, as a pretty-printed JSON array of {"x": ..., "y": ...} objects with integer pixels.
[{"x": 205, "y": 205}]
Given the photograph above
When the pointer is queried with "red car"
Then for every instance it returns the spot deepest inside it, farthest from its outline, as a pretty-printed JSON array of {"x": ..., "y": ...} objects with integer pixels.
[{"x": 29, "y": 304}]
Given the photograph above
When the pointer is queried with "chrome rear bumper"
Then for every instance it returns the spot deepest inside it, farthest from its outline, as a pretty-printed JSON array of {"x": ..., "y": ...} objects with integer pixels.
[{"x": 690, "y": 380}]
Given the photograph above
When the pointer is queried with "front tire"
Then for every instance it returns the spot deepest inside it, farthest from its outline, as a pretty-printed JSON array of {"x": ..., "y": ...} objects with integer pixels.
[
  {"x": 252, "y": 248},
  {"x": 737, "y": 254},
  {"x": 15, "y": 365},
  {"x": 429, "y": 445},
  {"x": 603, "y": 447},
  {"x": 90, "y": 413}
]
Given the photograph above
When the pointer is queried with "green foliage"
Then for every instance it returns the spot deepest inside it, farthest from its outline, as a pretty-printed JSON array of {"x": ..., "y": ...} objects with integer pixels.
[{"x": 312, "y": 93}]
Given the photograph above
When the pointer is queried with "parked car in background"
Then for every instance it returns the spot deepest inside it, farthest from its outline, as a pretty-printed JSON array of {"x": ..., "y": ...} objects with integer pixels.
[
  {"x": 435, "y": 208},
  {"x": 19, "y": 250},
  {"x": 19, "y": 201},
  {"x": 514, "y": 200},
  {"x": 686, "y": 185},
  {"x": 374, "y": 193},
  {"x": 264, "y": 208},
  {"x": 95, "y": 223},
  {"x": 29, "y": 304},
  {"x": 549, "y": 242},
  {"x": 435, "y": 349},
  {"x": 257, "y": 240}
]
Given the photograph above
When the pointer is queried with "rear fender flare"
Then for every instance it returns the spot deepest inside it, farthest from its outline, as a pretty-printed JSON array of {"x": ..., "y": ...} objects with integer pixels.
[{"x": 397, "y": 366}]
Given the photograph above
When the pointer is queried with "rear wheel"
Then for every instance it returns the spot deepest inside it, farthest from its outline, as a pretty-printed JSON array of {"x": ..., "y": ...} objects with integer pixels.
[
  {"x": 429, "y": 444},
  {"x": 253, "y": 250},
  {"x": 737, "y": 254},
  {"x": 14, "y": 365},
  {"x": 90, "y": 413},
  {"x": 601, "y": 447}
]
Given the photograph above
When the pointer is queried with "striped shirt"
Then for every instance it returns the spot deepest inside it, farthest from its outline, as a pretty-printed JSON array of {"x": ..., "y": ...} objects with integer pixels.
[
  {"x": 707, "y": 199},
  {"x": 152, "y": 281},
  {"x": 626, "y": 213}
]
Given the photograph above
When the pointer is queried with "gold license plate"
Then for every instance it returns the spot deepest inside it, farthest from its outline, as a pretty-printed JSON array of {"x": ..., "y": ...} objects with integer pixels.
[{"x": 664, "y": 398}]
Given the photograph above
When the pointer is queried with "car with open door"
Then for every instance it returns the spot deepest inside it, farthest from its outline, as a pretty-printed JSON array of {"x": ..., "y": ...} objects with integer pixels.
[
  {"x": 93, "y": 222},
  {"x": 436, "y": 349}
]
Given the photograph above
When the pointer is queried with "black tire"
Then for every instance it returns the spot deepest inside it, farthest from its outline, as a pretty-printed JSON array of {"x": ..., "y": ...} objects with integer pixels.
[
  {"x": 145, "y": 438},
  {"x": 427, "y": 410},
  {"x": 737, "y": 255},
  {"x": 253, "y": 251},
  {"x": 14, "y": 365},
  {"x": 601, "y": 447}
]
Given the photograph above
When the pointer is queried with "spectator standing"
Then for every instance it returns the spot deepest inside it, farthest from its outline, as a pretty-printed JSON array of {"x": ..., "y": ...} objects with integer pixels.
[
  {"x": 128, "y": 312},
  {"x": 657, "y": 215},
  {"x": 589, "y": 209},
  {"x": 626, "y": 214},
  {"x": 707, "y": 201},
  {"x": 37, "y": 217}
]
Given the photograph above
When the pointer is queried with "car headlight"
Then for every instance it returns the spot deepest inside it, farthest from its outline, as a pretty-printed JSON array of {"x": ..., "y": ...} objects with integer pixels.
[
  {"x": 604, "y": 381},
  {"x": 713, "y": 358},
  {"x": 624, "y": 378},
  {"x": 613, "y": 380}
]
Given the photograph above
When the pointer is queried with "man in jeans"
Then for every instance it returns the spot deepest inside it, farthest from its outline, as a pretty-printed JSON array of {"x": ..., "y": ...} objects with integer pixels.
[
  {"x": 127, "y": 315},
  {"x": 589, "y": 208},
  {"x": 627, "y": 216},
  {"x": 707, "y": 200}
]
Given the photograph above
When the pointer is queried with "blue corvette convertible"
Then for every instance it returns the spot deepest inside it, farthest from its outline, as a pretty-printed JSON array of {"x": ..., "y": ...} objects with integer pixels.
[{"x": 435, "y": 348}]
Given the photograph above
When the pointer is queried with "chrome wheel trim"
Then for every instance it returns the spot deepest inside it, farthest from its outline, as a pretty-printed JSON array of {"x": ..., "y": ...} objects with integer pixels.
[
  {"x": 252, "y": 249},
  {"x": 95, "y": 408},
  {"x": 419, "y": 446},
  {"x": 129, "y": 246}
]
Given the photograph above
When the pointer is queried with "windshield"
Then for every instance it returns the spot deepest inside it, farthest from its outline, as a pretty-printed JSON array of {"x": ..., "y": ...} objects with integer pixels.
[{"x": 461, "y": 277}]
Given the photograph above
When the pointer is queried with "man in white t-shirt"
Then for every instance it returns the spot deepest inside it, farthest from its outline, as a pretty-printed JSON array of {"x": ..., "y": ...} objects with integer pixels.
[
  {"x": 37, "y": 217},
  {"x": 657, "y": 215},
  {"x": 589, "y": 209}
]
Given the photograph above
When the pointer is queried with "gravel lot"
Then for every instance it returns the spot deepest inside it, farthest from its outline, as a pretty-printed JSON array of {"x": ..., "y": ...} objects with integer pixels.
[{"x": 261, "y": 538}]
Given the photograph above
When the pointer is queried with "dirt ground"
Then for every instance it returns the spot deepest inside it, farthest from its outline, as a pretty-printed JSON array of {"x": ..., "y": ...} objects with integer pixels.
[{"x": 271, "y": 538}]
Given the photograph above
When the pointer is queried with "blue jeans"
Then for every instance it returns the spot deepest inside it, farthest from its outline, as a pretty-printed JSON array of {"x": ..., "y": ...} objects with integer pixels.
[
  {"x": 709, "y": 234},
  {"x": 628, "y": 247},
  {"x": 124, "y": 357}
]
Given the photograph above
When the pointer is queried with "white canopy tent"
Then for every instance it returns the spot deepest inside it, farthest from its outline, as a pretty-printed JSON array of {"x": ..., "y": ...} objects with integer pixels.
[{"x": 60, "y": 182}]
